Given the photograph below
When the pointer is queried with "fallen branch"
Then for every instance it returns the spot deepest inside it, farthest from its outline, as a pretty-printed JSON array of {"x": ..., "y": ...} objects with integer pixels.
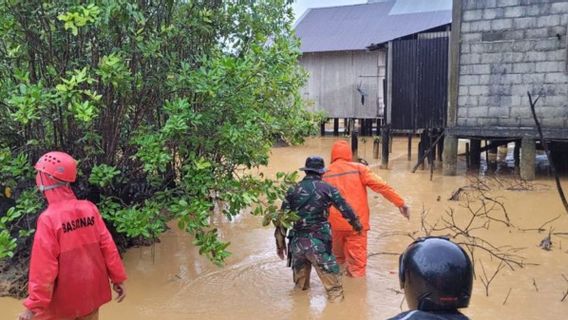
[
  {"x": 383, "y": 253},
  {"x": 566, "y": 293},
  {"x": 507, "y": 297},
  {"x": 486, "y": 280},
  {"x": 456, "y": 194},
  {"x": 395, "y": 291},
  {"x": 541, "y": 228},
  {"x": 411, "y": 235}
]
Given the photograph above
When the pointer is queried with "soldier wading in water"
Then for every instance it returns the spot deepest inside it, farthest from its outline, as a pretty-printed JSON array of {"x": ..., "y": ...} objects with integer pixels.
[{"x": 310, "y": 237}]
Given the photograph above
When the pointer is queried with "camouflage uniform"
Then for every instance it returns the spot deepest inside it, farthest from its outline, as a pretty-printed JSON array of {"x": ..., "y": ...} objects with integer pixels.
[{"x": 310, "y": 237}]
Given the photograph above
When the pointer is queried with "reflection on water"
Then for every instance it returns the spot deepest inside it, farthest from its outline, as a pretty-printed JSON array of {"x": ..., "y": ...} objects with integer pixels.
[{"x": 255, "y": 284}]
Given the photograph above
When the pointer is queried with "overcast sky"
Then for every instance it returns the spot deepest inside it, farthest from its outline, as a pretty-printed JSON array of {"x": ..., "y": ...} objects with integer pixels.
[{"x": 300, "y": 6}]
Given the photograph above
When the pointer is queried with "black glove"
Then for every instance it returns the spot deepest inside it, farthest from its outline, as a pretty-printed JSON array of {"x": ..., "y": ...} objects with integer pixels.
[{"x": 357, "y": 226}]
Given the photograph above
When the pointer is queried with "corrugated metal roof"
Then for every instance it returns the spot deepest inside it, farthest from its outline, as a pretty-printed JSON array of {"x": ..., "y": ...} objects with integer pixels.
[
  {"x": 417, "y": 6},
  {"x": 355, "y": 27}
]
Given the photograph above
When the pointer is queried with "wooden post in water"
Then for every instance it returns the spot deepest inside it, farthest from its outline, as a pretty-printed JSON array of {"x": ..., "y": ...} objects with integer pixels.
[
  {"x": 433, "y": 136},
  {"x": 376, "y": 147},
  {"x": 517, "y": 154},
  {"x": 427, "y": 153},
  {"x": 410, "y": 147},
  {"x": 491, "y": 155},
  {"x": 355, "y": 144},
  {"x": 467, "y": 157},
  {"x": 475, "y": 153},
  {"x": 441, "y": 146},
  {"x": 422, "y": 146},
  {"x": 322, "y": 128},
  {"x": 335, "y": 126},
  {"x": 421, "y": 154},
  {"x": 431, "y": 155},
  {"x": 385, "y": 138},
  {"x": 494, "y": 148}
]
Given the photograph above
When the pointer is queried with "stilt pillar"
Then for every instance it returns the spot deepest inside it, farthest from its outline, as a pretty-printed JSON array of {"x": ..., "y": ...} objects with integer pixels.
[
  {"x": 450, "y": 155},
  {"x": 355, "y": 144},
  {"x": 517, "y": 154},
  {"x": 409, "y": 147},
  {"x": 385, "y": 139},
  {"x": 335, "y": 126},
  {"x": 528, "y": 155},
  {"x": 475, "y": 153}
]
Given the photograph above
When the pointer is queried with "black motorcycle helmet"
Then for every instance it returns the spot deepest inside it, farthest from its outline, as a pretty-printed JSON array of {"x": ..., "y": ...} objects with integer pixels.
[
  {"x": 436, "y": 274},
  {"x": 314, "y": 164}
]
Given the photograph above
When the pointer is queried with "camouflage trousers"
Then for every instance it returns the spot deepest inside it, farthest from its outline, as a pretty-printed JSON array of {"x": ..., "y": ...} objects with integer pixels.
[{"x": 309, "y": 250}]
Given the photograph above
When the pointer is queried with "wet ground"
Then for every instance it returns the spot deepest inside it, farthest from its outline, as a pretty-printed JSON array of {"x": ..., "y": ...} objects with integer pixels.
[{"x": 171, "y": 281}]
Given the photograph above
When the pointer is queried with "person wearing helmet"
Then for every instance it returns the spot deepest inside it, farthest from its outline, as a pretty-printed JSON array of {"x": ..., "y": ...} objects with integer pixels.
[
  {"x": 310, "y": 237},
  {"x": 352, "y": 180},
  {"x": 437, "y": 276},
  {"x": 73, "y": 254}
]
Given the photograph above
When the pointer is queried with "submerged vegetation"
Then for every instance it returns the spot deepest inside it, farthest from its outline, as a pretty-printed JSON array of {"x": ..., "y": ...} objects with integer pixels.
[{"x": 167, "y": 105}]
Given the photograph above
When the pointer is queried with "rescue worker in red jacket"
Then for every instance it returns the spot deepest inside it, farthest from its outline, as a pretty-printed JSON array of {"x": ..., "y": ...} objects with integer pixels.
[
  {"x": 352, "y": 180},
  {"x": 73, "y": 255}
]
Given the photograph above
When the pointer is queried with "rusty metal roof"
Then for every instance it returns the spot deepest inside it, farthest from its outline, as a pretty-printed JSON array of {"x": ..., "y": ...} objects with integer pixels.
[{"x": 355, "y": 27}]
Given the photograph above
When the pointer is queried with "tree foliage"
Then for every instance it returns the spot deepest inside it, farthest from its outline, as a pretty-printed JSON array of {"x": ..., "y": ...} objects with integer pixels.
[{"x": 168, "y": 105}]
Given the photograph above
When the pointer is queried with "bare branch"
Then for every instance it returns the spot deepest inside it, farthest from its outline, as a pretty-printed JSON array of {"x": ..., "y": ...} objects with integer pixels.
[
  {"x": 396, "y": 291},
  {"x": 547, "y": 152},
  {"x": 383, "y": 253},
  {"x": 486, "y": 279},
  {"x": 507, "y": 297}
]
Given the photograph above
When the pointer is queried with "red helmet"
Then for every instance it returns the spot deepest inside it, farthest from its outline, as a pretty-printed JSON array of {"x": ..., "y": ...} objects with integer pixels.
[{"x": 59, "y": 165}]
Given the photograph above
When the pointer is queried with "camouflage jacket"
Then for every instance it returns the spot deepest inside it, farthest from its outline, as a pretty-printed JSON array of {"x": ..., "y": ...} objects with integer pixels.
[{"x": 311, "y": 199}]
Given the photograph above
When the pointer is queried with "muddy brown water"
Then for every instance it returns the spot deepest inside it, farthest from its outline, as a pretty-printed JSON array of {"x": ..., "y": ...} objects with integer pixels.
[{"x": 171, "y": 281}]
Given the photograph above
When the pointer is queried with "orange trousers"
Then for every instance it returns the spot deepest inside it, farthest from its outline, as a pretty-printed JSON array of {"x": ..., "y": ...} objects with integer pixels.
[
  {"x": 350, "y": 250},
  {"x": 92, "y": 316}
]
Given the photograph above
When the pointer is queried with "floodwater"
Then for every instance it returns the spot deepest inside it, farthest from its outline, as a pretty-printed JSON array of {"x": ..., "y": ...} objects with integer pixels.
[{"x": 171, "y": 281}]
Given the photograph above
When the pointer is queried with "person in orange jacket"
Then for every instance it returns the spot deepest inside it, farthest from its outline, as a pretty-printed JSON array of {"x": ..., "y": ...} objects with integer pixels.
[
  {"x": 352, "y": 180},
  {"x": 73, "y": 255}
]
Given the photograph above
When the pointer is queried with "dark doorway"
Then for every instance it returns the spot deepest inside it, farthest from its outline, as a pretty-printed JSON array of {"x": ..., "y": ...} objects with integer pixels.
[{"x": 419, "y": 83}]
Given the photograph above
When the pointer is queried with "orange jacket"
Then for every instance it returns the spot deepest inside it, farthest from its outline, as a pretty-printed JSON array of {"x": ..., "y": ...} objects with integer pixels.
[
  {"x": 73, "y": 258},
  {"x": 352, "y": 180}
]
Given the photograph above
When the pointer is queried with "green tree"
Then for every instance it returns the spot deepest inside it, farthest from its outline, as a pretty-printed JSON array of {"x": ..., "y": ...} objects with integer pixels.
[{"x": 167, "y": 104}]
